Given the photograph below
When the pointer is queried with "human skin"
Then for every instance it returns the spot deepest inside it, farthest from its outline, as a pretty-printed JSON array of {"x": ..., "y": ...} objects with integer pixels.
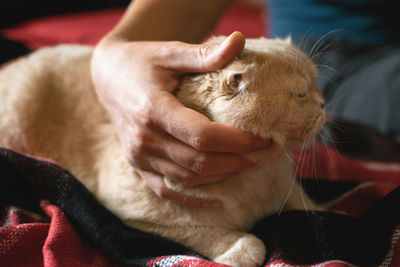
[{"x": 135, "y": 69}]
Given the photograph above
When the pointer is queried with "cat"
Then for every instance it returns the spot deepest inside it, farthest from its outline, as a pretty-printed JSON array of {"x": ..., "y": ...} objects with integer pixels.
[{"x": 50, "y": 109}]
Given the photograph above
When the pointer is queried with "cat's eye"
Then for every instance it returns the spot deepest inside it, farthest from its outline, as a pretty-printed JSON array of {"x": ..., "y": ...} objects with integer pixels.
[
  {"x": 301, "y": 95},
  {"x": 234, "y": 82},
  {"x": 237, "y": 76},
  {"x": 234, "y": 79}
]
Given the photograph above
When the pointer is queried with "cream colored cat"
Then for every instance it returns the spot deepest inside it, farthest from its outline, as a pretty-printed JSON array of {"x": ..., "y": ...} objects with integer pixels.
[{"x": 49, "y": 109}]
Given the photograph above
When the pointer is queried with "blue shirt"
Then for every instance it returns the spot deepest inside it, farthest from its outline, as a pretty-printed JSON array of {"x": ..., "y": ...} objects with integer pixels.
[{"x": 368, "y": 21}]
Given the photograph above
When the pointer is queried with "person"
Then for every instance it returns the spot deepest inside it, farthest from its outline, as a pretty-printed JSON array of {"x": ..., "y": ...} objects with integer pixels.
[{"x": 137, "y": 66}]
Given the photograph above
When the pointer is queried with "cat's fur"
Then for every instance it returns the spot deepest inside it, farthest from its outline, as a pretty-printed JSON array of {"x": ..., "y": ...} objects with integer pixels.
[{"x": 49, "y": 109}]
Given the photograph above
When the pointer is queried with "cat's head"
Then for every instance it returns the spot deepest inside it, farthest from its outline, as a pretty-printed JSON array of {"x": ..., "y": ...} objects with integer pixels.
[{"x": 269, "y": 90}]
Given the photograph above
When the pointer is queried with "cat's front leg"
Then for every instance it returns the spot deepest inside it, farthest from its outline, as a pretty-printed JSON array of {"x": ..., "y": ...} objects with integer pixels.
[
  {"x": 246, "y": 250},
  {"x": 235, "y": 248}
]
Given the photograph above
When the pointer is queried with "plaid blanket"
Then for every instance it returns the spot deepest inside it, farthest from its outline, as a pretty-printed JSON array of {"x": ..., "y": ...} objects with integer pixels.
[{"x": 49, "y": 219}]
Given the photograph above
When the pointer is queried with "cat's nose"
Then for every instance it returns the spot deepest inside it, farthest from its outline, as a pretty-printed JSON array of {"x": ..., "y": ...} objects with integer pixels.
[{"x": 321, "y": 103}]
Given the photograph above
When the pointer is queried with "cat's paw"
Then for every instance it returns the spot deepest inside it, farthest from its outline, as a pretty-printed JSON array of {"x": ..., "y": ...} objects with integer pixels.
[{"x": 247, "y": 251}]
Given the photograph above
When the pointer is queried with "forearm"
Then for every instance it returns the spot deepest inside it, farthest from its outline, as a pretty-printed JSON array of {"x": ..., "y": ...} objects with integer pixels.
[{"x": 167, "y": 20}]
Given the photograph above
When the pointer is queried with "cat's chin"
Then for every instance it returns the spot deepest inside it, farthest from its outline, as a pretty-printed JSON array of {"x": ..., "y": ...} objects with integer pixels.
[
  {"x": 298, "y": 144},
  {"x": 275, "y": 151}
]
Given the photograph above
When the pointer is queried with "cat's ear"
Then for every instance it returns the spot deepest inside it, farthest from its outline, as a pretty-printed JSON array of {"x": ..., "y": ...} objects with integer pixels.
[
  {"x": 234, "y": 81},
  {"x": 288, "y": 39}
]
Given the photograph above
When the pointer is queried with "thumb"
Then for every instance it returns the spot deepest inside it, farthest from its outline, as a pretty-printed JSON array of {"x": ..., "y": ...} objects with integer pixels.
[{"x": 204, "y": 57}]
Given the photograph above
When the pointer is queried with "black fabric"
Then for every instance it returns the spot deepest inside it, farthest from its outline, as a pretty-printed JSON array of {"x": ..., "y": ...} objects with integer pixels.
[
  {"x": 11, "y": 49},
  {"x": 323, "y": 191},
  {"x": 307, "y": 238},
  {"x": 17, "y": 11},
  {"x": 25, "y": 181}
]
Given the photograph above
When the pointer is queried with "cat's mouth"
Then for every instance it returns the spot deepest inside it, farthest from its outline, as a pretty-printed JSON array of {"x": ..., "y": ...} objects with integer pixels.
[
  {"x": 303, "y": 137},
  {"x": 313, "y": 128}
]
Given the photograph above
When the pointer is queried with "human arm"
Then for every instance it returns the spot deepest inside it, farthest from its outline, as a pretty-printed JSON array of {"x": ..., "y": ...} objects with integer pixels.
[{"x": 135, "y": 69}]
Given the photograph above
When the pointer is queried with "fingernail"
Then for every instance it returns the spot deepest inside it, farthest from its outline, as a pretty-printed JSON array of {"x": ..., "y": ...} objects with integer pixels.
[{"x": 225, "y": 43}]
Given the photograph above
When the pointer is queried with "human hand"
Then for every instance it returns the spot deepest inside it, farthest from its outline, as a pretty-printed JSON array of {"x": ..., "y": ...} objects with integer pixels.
[{"x": 161, "y": 137}]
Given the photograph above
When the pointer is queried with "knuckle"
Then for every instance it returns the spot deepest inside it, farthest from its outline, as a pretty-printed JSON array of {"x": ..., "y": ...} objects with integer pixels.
[
  {"x": 200, "y": 141},
  {"x": 203, "y": 55},
  {"x": 144, "y": 115},
  {"x": 165, "y": 51},
  {"x": 136, "y": 159},
  {"x": 140, "y": 140},
  {"x": 188, "y": 179},
  {"x": 201, "y": 165},
  {"x": 138, "y": 144}
]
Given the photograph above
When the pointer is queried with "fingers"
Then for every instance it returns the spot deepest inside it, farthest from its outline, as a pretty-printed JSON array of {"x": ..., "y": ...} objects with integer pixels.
[
  {"x": 183, "y": 176},
  {"x": 200, "y": 133},
  {"x": 156, "y": 183},
  {"x": 157, "y": 151},
  {"x": 184, "y": 57},
  {"x": 201, "y": 163},
  {"x": 174, "y": 172}
]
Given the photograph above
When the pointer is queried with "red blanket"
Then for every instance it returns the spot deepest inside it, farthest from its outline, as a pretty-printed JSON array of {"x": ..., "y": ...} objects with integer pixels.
[{"x": 89, "y": 27}]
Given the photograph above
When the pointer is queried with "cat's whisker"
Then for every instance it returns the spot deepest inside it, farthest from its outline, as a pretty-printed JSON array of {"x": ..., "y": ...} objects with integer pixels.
[
  {"x": 329, "y": 153},
  {"x": 328, "y": 139},
  {"x": 332, "y": 141},
  {"x": 305, "y": 37},
  {"x": 339, "y": 126},
  {"x": 327, "y": 37},
  {"x": 292, "y": 183},
  {"x": 308, "y": 142},
  {"x": 302, "y": 153},
  {"x": 339, "y": 92},
  {"x": 313, "y": 160},
  {"x": 344, "y": 129},
  {"x": 318, "y": 161},
  {"x": 290, "y": 158},
  {"x": 325, "y": 66},
  {"x": 293, "y": 180},
  {"x": 327, "y": 78},
  {"x": 319, "y": 49},
  {"x": 318, "y": 54}
]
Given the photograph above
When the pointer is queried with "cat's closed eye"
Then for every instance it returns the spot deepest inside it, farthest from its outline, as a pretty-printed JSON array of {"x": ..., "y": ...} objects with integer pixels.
[{"x": 301, "y": 95}]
